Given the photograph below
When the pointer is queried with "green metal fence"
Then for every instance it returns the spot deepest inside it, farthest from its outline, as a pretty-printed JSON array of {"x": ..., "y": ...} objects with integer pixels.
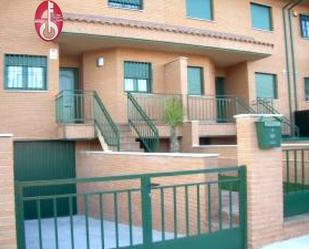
[
  {"x": 216, "y": 108},
  {"x": 153, "y": 104},
  {"x": 86, "y": 107},
  {"x": 142, "y": 125},
  {"x": 296, "y": 181},
  {"x": 139, "y": 211},
  {"x": 266, "y": 106}
]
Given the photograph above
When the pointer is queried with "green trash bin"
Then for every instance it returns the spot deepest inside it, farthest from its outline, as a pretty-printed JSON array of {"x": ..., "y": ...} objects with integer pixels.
[{"x": 268, "y": 133}]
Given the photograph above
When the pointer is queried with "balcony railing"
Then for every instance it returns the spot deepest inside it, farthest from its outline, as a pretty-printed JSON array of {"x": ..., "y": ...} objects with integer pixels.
[
  {"x": 153, "y": 104},
  {"x": 216, "y": 108},
  {"x": 76, "y": 107}
]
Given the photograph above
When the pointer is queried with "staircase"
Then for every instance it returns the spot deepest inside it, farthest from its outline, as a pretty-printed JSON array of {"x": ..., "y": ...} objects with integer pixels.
[
  {"x": 128, "y": 140},
  {"x": 86, "y": 109},
  {"x": 142, "y": 125}
]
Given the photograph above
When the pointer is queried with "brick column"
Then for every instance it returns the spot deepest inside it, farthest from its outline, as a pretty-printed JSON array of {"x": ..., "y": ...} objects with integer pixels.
[
  {"x": 7, "y": 196},
  {"x": 190, "y": 135},
  {"x": 175, "y": 74},
  {"x": 264, "y": 184}
]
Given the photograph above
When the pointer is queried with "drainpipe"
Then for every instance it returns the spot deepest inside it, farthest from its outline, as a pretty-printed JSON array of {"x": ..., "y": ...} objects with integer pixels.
[
  {"x": 287, "y": 58},
  {"x": 293, "y": 51}
]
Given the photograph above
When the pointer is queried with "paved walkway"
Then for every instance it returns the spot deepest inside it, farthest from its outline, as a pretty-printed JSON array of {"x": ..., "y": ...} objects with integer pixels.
[
  {"x": 296, "y": 243},
  {"x": 80, "y": 236}
]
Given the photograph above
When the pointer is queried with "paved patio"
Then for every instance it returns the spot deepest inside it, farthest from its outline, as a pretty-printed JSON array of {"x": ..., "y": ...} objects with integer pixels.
[
  {"x": 296, "y": 243},
  {"x": 80, "y": 237}
]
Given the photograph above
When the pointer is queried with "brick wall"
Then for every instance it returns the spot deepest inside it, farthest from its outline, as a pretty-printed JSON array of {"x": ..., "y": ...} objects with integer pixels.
[
  {"x": 19, "y": 109},
  {"x": 264, "y": 185},
  {"x": 106, "y": 164},
  {"x": 7, "y": 197}
]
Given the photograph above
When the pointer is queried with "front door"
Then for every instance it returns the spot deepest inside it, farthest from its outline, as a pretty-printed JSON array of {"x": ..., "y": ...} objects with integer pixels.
[
  {"x": 220, "y": 99},
  {"x": 68, "y": 80},
  {"x": 220, "y": 86}
]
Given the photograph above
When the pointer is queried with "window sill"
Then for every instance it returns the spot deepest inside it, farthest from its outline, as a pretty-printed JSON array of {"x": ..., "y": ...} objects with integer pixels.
[
  {"x": 200, "y": 19},
  {"x": 263, "y": 30},
  {"x": 25, "y": 91},
  {"x": 125, "y": 8}
]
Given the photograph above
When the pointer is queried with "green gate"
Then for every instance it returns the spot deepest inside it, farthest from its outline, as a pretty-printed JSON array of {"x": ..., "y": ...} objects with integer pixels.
[
  {"x": 189, "y": 209},
  {"x": 296, "y": 182},
  {"x": 45, "y": 160}
]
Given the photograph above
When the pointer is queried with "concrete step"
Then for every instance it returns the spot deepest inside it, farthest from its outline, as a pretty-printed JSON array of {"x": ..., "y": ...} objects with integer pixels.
[
  {"x": 124, "y": 127},
  {"x": 132, "y": 150},
  {"x": 127, "y": 140},
  {"x": 130, "y": 146}
]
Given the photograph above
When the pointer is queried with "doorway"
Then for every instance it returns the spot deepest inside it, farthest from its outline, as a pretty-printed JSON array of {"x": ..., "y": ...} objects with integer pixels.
[
  {"x": 69, "y": 86},
  {"x": 221, "y": 101}
]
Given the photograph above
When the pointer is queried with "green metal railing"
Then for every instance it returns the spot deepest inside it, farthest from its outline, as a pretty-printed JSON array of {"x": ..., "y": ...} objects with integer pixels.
[
  {"x": 74, "y": 107},
  {"x": 153, "y": 104},
  {"x": 86, "y": 107},
  {"x": 266, "y": 106},
  {"x": 296, "y": 181},
  {"x": 216, "y": 108},
  {"x": 142, "y": 125},
  {"x": 105, "y": 123},
  {"x": 137, "y": 211}
]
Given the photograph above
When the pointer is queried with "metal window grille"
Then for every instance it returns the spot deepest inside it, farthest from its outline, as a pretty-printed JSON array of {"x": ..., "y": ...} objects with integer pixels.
[
  {"x": 130, "y": 4},
  {"x": 24, "y": 72},
  {"x": 137, "y": 76}
]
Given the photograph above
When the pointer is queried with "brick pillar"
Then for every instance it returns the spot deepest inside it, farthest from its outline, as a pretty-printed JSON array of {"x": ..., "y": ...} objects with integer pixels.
[
  {"x": 7, "y": 196},
  {"x": 264, "y": 184},
  {"x": 184, "y": 85},
  {"x": 190, "y": 136},
  {"x": 175, "y": 75}
]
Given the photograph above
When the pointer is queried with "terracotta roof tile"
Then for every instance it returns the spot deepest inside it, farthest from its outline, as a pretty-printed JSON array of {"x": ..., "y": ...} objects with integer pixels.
[{"x": 162, "y": 27}]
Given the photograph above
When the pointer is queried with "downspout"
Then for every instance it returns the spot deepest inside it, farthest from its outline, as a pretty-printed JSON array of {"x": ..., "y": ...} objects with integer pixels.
[
  {"x": 287, "y": 58},
  {"x": 293, "y": 52}
]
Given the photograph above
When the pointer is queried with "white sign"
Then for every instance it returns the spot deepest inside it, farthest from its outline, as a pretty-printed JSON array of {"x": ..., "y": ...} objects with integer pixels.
[{"x": 53, "y": 54}]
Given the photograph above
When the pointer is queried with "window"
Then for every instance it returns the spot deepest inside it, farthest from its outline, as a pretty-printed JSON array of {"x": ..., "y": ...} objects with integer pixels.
[
  {"x": 307, "y": 88},
  {"x": 23, "y": 72},
  {"x": 266, "y": 85},
  {"x": 195, "y": 81},
  {"x": 304, "y": 22},
  {"x": 201, "y": 9},
  {"x": 137, "y": 76},
  {"x": 128, "y": 4},
  {"x": 261, "y": 17}
]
